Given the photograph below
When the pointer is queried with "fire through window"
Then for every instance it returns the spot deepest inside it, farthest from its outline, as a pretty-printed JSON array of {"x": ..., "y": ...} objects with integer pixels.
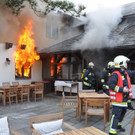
[
  {"x": 59, "y": 66},
  {"x": 25, "y": 54}
]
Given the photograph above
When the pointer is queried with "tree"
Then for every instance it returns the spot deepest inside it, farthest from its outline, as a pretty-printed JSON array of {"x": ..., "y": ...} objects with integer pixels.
[{"x": 50, "y": 5}]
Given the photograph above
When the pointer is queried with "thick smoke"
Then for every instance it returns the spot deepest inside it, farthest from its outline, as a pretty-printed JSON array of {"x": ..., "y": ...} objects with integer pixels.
[
  {"x": 99, "y": 27},
  {"x": 11, "y": 26},
  {"x": 8, "y": 25}
]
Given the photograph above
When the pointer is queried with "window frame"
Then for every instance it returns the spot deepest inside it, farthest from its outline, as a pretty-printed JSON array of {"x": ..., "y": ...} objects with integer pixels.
[
  {"x": 23, "y": 77},
  {"x": 56, "y": 62}
]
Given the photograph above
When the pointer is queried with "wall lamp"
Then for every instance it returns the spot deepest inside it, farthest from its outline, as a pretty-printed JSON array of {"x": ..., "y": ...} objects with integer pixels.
[
  {"x": 8, "y": 61},
  {"x": 8, "y": 45}
]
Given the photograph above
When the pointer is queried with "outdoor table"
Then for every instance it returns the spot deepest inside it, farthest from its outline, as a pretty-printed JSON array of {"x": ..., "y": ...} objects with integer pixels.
[
  {"x": 4, "y": 88},
  {"x": 84, "y": 131},
  {"x": 82, "y": 96},
  {"x": 66, "y": 84},
  {"x": 133, "y": 124}
]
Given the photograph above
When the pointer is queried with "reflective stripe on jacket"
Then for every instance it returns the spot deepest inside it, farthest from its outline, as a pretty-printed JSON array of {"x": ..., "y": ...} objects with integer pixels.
[{"x": 117, "y": 96}]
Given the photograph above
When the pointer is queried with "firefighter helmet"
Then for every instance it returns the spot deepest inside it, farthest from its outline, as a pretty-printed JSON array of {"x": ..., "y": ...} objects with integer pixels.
[
  {"x": 121, "y": 61},
  {"x": 91, "y": 64},
  {"x": 110, "y": 64}
]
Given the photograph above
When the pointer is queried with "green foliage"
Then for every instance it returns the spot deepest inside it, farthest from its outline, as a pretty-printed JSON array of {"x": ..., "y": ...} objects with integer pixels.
[{"x": 65, "y": 6}]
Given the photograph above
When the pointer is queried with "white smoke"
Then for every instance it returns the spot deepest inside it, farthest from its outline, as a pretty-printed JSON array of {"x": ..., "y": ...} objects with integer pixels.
[
  {"x": 99, "y": 26},
  {"x": 11, "y": 26}
]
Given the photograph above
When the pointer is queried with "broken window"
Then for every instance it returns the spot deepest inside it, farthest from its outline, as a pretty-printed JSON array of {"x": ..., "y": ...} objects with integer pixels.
[
  {"x": 22, "y": 73},
  {"x": 62, "y": 67}
]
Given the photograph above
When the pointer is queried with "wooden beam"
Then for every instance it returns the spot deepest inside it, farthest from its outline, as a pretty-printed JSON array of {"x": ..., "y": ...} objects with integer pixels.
[
  {"x": 58, "y": 60},
  {"x": 69, "y": 61}
]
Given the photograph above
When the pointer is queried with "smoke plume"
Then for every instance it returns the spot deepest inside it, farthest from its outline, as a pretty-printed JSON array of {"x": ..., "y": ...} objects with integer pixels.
[
  {"x": 99, "y": 26},
  {"x": 11, "y": 26}
]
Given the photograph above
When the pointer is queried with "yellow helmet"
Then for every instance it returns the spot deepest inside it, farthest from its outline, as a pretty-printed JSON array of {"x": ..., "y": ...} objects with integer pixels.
[
  {"x": 110, "y": 64},
  {"x": 121, "y": 61},
  {"x": 91, "y": 64}
]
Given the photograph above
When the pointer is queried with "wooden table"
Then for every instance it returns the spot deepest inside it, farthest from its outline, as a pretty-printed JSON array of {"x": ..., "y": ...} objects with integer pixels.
[
  {"x": 84, "y": 131},
  {"x": 67, "y": 84},
  {"x": 133, "y": 124},
  {"x": 94, "y": 95},
  {"x": 4, "y": 88}
]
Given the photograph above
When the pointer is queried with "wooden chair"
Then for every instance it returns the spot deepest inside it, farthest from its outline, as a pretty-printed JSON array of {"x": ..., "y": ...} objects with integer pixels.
[
  {"x": 86, "y": 91},
  {"x": 12, "y": 93},
  {"x": 47, "y": 118},
  {"x": 5, "y": 83},
  {"x": 133, "y": 124},
  {"x": 25, "y": 92},
  {"x": 38, "y": 90},
  {"x": 69, "y": 102},
  {"x": 15, "y": 83},
  {"x": 96, "y": 107}
]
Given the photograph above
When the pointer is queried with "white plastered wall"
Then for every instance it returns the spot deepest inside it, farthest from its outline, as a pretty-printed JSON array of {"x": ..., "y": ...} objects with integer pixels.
[{"x": 7, "y": 72}]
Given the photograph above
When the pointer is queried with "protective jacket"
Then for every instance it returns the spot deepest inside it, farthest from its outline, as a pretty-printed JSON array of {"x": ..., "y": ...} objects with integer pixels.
[
  {"x": 89, "y": 79},
  {"x": 105, "y": 78},
  {"x": 116, "y": 95},
  {"x": 105, "y": 75}
]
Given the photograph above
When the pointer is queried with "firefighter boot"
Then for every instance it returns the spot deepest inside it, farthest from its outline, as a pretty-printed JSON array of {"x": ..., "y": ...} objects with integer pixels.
[
  {"x": 121, "y": 129},
  {"x": 112, "y": 132},
  {"x": 130, "y": 107}
]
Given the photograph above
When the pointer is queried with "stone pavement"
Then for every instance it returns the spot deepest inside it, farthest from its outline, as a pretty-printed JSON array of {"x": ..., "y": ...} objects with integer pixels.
[{"x": 19, "y": 115}]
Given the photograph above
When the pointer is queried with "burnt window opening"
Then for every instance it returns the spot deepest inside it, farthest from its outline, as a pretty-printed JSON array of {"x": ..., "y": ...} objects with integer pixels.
[
  {"x": 23, "y": 74},
  {"x": 62, "y": 67}
]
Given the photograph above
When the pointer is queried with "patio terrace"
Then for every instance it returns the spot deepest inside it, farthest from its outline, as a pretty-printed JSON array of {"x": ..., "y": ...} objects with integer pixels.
[{"x": 19, "y": 115}]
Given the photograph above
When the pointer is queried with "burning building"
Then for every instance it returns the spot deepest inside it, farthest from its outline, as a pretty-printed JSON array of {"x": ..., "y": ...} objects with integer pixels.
[
  {"x": 60, "y": 59},
  {"x": 25, "y": 55},
  {"x": 75, "y": 59},
  {"x": 23, "y": 63}
]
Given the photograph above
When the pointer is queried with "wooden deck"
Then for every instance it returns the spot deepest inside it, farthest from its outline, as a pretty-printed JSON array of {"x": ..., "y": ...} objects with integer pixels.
[{"x": 19, "y": 115}]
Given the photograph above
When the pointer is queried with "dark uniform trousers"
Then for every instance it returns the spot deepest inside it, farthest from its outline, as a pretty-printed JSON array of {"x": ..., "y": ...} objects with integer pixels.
[{"x": 118, "y": 114}]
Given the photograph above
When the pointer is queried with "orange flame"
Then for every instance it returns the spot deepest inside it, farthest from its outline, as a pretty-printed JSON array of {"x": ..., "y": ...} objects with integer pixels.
[
  {"x": 60, "y": 66},
  {"x": 25, "y": 57},
  {"x": 52, "y": 66}
]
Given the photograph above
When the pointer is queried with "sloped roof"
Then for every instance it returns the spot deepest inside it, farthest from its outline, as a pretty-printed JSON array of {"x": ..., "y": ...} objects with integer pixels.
[
  {"x": 126, "y": 29},
  {"x": 62, "y": 46}
]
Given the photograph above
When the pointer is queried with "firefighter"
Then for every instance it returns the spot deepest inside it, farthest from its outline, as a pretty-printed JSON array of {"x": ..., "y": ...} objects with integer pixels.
[
  {"x": 106, "y": 75},
  {"x": 88, "y": 79},
  {"x": 120, "y": 90}
]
